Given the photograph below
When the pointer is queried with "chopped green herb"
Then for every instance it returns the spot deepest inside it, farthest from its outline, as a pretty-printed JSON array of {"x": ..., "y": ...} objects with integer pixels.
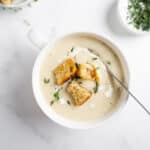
[
  {"x": 46, "y": 81},
  {"x": 108, "y": 62},
  {"x": 94, "y": 58},
  {"x": 95, "y": 89},
  {"x": 68, "y": 53},
  {"x": 56, "y": 95},
  {"x": 72, "y": 49},
  {"x": 139, "y": 14},
  {"x": 51, "y": 103},
  {"x": 68, "y": 102}
]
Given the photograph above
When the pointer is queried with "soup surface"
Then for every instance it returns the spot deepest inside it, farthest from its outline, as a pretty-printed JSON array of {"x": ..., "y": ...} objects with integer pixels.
[{"x": 108, "y": 92}]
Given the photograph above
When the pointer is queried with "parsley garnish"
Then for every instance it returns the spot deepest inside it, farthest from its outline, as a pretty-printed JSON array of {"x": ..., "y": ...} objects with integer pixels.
[
  {"x": 108, "y": 62},
  {"x": 72, "y": 49},
  {"x": 56, "y": 95},
  {"x": 46, "y": 80},
  {"x": 94, "y": 58},
  {"x": 68, "y": 53},
  {"x": 95, "y": 89},
  {"x": 68, "y": 102},
  {"x": 51, "y": 103}
]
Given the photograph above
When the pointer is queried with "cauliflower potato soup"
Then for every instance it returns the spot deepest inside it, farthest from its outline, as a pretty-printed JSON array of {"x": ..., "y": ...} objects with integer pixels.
[{"x": 75, "y": 83}]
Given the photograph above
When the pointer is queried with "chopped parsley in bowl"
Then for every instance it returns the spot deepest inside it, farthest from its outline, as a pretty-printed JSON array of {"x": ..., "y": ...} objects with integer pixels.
[
  {"x": 139, "y": 14},
  {"x": 135, "y": 15}
]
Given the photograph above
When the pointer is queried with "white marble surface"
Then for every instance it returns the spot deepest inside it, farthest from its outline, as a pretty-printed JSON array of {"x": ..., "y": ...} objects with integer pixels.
[{"x": 22, "y": 124}]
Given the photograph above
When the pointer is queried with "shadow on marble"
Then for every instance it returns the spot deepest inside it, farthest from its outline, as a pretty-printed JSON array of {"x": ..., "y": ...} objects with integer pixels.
[{"x": 114, "y": 23}]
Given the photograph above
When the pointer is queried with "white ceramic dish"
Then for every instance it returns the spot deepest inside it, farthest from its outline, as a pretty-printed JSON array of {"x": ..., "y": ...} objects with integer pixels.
[
  {"x": 16, "y": 4},
  {"x": 47, "y": 109},
  {"x": 122, "y": 13}
]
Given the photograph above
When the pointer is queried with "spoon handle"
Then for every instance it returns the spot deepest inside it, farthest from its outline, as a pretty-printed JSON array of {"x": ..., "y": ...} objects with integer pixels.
[
  {"x": 121, "y": 83},
  {"x": 130, "y": 93}
]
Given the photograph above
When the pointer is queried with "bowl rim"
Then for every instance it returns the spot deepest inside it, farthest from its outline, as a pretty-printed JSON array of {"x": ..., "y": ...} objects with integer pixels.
[
  {"x": 124, "y": 21},
  {"x": 58, "y": 118}
]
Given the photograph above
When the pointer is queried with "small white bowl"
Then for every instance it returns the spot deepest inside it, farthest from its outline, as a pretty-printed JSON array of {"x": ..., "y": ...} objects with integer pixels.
[
  {"x": 16, "y": 4},
  {"x": 122, "y": 13}
]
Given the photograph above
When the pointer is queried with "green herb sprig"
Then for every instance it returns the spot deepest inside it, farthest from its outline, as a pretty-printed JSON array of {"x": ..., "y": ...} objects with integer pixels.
[
  {"x": 46, "y": 80},
  {"x": 68, "y": 102},
  {"x": 72, "y": 49},
  {"x": 95, "y": 89},
  {"x": 94, "y": 58},
  {"x": 56, "y": 96}
]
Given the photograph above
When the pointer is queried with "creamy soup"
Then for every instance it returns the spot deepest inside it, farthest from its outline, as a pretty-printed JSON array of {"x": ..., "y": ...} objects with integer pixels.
[{"x": 108, "y": 93}]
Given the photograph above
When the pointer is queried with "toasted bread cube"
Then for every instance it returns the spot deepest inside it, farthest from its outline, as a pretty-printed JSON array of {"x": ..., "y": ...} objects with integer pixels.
[
  {"x": 6, "y": 1},
  {"x": 88, "y": 72},
  {"x": 79, "y": 94},
  {"x": 65, "y": 71}
]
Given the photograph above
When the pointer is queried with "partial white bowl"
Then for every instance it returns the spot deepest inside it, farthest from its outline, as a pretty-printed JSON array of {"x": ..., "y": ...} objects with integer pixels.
[
  {"x": 16, "y": 4},
  {"x": 122, "y": 13}
]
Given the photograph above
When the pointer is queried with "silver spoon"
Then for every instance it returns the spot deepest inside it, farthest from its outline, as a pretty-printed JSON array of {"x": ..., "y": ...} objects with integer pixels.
[{"x": 120, "y": 82}]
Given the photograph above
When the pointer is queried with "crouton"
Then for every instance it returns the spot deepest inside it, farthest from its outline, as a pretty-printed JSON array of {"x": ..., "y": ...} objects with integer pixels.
[
  {"x": 88, "y": 72},
  {"x": 65, "y": 71},
  {"x": 6, "y": 1},
  {"x": 79, "y": 94}
]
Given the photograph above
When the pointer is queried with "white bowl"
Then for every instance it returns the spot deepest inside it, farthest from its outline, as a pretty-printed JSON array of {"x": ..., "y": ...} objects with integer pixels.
[
  {"x": 16, "y": 4},
  {"x": 122, "y": 13},
  {"x": 51, "y": 113}
]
